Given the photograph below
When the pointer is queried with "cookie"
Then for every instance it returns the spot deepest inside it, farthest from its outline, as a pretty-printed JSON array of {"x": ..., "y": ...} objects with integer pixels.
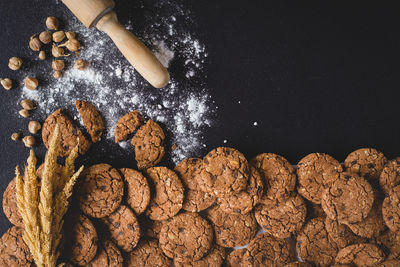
[
  {"x": 91, "y": 118},
  {"x": 186, "y": 237},
  {"x": 283, "y": 218},
  {"x": 147, "y": 253},
  {"x": 244, "y": 201},
  {"x": 365, "y": 162},
  {"x": 137, "y": 190},
  {"x": 10, "y": 207},
  {"x": 278, "y": 174},
  {"x": 149, "y": 145},
  {"x": 225, "y": 171},
  {"x": 390, "y": 263},
  {"x": 168, "y": 190},
  {"x": 265, "y": 250},
  {"x": 371, "y": 226},
  {"x": 390, "y": 241},
  {"x": 123, "y": 227},
  {"x": 234, "y": 259},
  {"x": 314, "y": 173},
  {"x": 70, "y": 135},
  {"x": 13, "y": 250},
  {"x": 214, "y": 258},
  {"x": 314, "y": 245},
  {"x": 232, "y": 230},
  {"x": 360, "y": 255},
  {"x": 390, "y": 176},
  {"x": 341, "y": 234},
  {"x": 128, "y": 124},
  {"x": 108, "y": 255},
  {"x": 349, "y": 199},
  {"x": 195, "y": 200},
  {"x": 100, "y": 190},
  {"x": 391, "y": 210},
  {"x": 82, "y": 241},
  {"x": 298, "y": 264}
]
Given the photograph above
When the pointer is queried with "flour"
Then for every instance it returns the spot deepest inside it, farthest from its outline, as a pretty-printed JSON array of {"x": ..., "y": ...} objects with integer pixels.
[{"x": 184, "y": 107}]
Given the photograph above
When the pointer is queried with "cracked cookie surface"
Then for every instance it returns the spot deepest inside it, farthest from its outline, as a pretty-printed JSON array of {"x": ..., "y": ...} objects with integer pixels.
[
  {"x": 168, "y": 193},
  {"x": 265, "y": 250},
  {"x": 314, "y": 173},
  {"x": 232, "y": 230},
  {"x": 283, "y": 218},
  {"x": 149, "y": 145},
  {"x": 108, "y": 255},
  {"x": 137, "y": 190},
  {"x": 13, "y": 250},
  {"x": 278, "y": 174},
  {"x": 390, "y": 176},
  {"x": 186, "y": 237},
  {"x": 91, "y": 118},
  {"x": 123, "y": 227},
  {"x": 390, "y": 241},
  {"x": 234, "y": 258},
  {"x": 70, "y": 135},
  {"x": 349, "y": 199},
  {"x": 365, "y": 162},
  {"x": 225, "y": 171},
  {"x": 360, "y": 255},
  {"x": 10, "y": 207},
  {"x": 214, "y": 258},
  {"x": 341, "y": 234},
  {"x": 127, "y": 124},
  {"x": 100, "y": 190},
  {"x": 391, "y": 210},
  {"x": 148, "y": 253}
]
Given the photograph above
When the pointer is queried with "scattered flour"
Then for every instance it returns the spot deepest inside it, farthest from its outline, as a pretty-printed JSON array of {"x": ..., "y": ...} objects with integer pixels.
[{"x": 183, "y": 108}]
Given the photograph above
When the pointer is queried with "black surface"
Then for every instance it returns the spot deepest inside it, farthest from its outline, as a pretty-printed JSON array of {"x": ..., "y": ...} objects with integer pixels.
[{"x": 315, "y": 76}]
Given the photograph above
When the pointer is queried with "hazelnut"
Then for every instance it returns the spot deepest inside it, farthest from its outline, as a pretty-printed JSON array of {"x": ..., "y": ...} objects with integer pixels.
[
  {"x": 45, "y": 37},
  {"x": 6, "y": 83},
  {"x": 15, "y": 63},
  {"x": 31, "y": 83},
  {"x": 34, "y": 43},
  {"x": 34, "y": 127},
  {"x": 58, "y": 65},
  {"x": 24, "y": 113},
  {"x": 70, "y": 35},
  {"x": 52, "y": 23},
  {"x": 29, "y": 141},
  {"x": 42, "y": 55},
  {"x": 15, "y": 136},
  {"x": 58, "y": 51},
  {"x": 73, "y": 45},
  {"x": 80, "y": 64},
  {"x": 57, "y": 74},
  {"x": 58, "y": 36},
  {"x": 27, "y": 104}
]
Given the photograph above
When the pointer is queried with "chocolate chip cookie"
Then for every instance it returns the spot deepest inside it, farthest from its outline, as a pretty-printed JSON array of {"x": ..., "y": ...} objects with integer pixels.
[
  {"x": 168, "y": 193},
  {"x": 282, "y": 218},
  {"x": 214, "y": 258},
  {"x": 314, "y": 173},
  {"x": 137, "y": 190},
  {"x": 147, "y": 253},
  {"x": 123, "y": 227},
  {"x": 13, "y": 250},
  {"x": 360, "y": 255},
  {"x": 186, "y": 237},
  {"x": 91, "y": 118},
  {"x": 107, "y": 255},
  {"x": 390, "y": 242},
  {"x": 225, "y": 171},
  {"x": 341, "y": 234},
  {"x": 196, "y": 201},
  {"x": 265, "y": 250},
  {"x": 390, "y": 176},
  {"x": 278, "y": 174},
  {"x": 128, "y": 124},
  {"x": 391, "y": 210},
  {"x": 244, "y": 201},
  {"x": 149, "y": 145},
  {"x": 314, "y": 244},
  {"x": 70, "y": 135},
  {"x": 10, "y": 207},
  {"x": 365, "y": 162},
  {"x": 100, "y": 190},
  {"x": 349, "y": 199},
  {"x": 234, "y": 259},
  {"x": 232, "y": 230}
]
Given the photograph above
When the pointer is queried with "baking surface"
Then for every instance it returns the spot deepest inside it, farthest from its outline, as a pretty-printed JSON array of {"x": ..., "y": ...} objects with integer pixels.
[{"x": 313, "y": 77}]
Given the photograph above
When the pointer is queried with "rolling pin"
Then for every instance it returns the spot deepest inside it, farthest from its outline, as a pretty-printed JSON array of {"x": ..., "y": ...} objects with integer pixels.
[{"x": 100, "y": 14}]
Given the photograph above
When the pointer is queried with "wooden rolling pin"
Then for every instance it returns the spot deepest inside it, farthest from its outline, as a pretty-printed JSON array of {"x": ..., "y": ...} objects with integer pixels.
[{"x": 100, "y": 13}]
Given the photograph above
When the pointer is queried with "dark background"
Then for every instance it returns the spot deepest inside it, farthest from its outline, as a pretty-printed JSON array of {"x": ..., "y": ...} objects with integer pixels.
[{"x": 316, "y": 77}]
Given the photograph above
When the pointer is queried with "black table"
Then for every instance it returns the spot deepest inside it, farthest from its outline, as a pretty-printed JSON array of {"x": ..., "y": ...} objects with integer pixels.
[{"x": 316, "y": 77}]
